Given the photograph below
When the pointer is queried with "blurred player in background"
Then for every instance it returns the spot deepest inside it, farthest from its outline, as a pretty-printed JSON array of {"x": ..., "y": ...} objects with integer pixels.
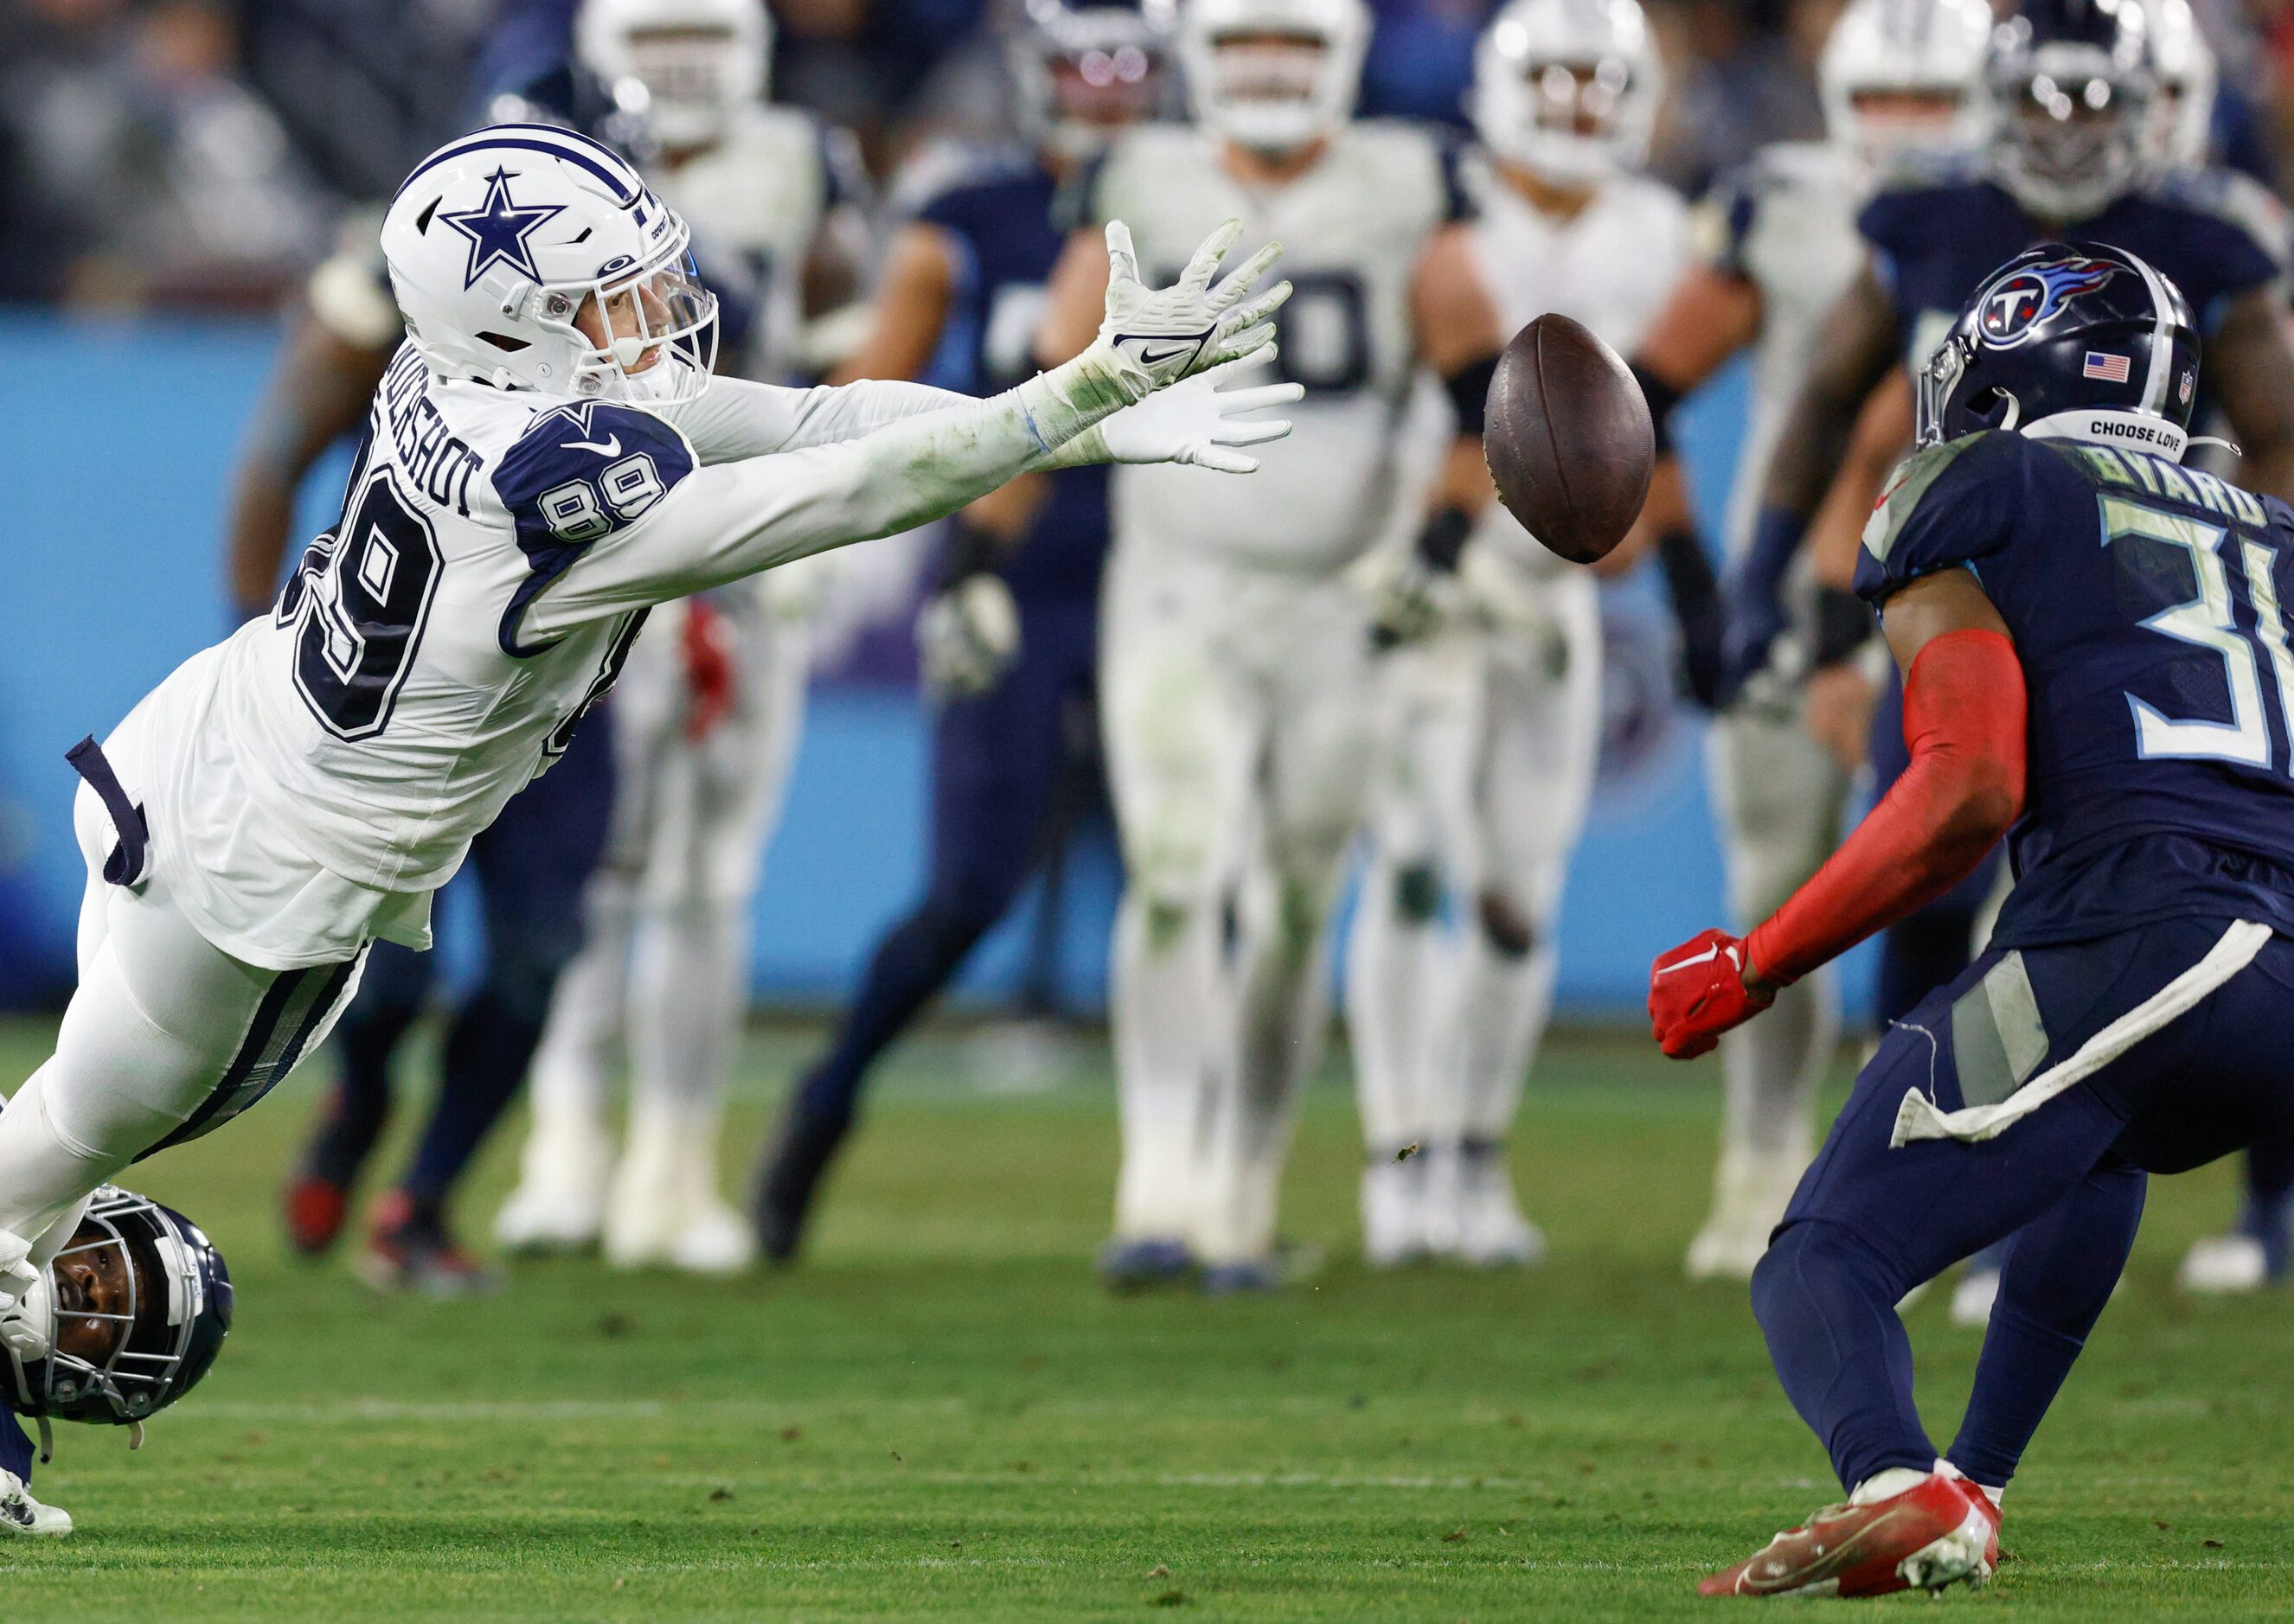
[
  {"x": 1235, "y": 661},
  {"x": 1492, "y": 718},
  {"x": 529, "y": 865},
  {"x": 709, "y": 706},
  {"x": 1777, "y": 244},
  {"x": 2100, "y": 109},
  {"x": 1008, "y": 639}
]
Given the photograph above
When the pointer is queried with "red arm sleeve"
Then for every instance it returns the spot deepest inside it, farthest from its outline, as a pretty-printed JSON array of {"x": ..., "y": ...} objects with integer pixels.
[{"x": 1963, "y": 719}]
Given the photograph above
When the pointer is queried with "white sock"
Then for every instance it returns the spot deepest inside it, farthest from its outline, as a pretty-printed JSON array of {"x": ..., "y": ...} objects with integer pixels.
[
  {"x": 1503, "y": 1004},
  {"x": 1391, "y": 976},
  {"x": 573, "y": 1067},
  {"x": 1888, "y": 1485},
  {"x": 1772, "y": 1068},
  {"x": 1172, "y": 1055}
]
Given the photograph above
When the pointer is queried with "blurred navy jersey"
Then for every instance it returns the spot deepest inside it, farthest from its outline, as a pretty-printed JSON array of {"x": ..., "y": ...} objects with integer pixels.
[
  {"x": 2148, "y": 604},
  {"x": 2215, "y": 235},
  {"x": 1007, "y": 227}
]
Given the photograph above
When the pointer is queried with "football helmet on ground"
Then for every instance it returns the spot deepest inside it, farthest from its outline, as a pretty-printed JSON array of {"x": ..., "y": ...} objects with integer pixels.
[{"x": 123, "y": 1320}]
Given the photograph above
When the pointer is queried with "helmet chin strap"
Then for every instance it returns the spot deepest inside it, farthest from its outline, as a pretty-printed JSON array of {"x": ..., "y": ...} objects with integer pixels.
[{"x": 2133, "y": 431}]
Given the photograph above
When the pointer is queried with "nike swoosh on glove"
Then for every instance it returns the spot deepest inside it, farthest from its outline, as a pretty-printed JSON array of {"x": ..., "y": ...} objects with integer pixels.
[
  {"x": 1697, "y": 992},
  {"x": 1190, "y": 326}
]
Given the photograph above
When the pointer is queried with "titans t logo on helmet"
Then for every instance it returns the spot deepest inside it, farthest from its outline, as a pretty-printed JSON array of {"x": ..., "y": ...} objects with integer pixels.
[
  {"x": 2014, "y": 309},
  {"x": 498, "y": 229}
]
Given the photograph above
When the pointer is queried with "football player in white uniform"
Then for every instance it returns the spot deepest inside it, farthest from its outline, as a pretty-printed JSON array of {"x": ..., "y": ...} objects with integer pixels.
[
  {"x": 548, "y": 457},
  {"x": 1776, "y": 244},
  {"x": 709, "y": 704},
  {"x": 1235, "y": 659},
  {"x": 1493, "y": 721}
]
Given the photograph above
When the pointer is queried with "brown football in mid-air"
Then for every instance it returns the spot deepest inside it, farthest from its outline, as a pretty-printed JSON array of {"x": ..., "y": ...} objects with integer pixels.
[{"x": 1568, "y": 439}]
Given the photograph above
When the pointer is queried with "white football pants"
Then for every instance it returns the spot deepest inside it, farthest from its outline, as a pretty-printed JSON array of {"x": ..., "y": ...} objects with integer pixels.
[
  {"x": 1782, "y": 800},
  {"x": 1236, "y": 708},
  {"x": 1491, "y": 740},
  {"x": 663, "y": 973},
  {"x": 166, "y": 1037}
]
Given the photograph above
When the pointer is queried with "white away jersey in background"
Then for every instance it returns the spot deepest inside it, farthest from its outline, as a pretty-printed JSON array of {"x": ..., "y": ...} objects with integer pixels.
[
  {"x": 1786, "y": 222},
  {"x": 756, "y": 202},
  {"x": 1612, "y": 267},
  {"x": 1350, "y": 229}
]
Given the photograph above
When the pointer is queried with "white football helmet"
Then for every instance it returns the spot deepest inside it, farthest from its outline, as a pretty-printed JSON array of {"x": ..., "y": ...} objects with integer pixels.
[
  {"x": 1569, "y": 88},
  {"x": 2072, "y": 85},
  {"x": 1084, "y": 71},
  {"x": 683, "y": 66},
  {"x": 1274, "y": 75},
  {"x": 530, "y": 256},
  {"x": 1900, "y": 77},
  {"x": 2183, "y": 118}
]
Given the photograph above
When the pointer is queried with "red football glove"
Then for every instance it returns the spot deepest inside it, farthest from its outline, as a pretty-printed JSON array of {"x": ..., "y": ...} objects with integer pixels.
[
  {"x": 709, "y": 674},
  {"x": 1697, "y": 992}
]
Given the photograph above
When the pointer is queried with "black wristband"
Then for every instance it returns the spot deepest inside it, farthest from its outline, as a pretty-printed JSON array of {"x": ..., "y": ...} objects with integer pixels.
[
  {"x": 1843, "y": 624},
  {"x": 1695, "y": 593},
  {"x": 967, "y": 551},
  {"x": 1442, "y": 541},
  {"x": 1662, "y": 398},
  {"x": 1469, "y": 393}
]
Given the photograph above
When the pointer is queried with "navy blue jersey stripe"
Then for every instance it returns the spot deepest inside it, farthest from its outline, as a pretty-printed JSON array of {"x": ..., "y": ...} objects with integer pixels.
[{"x": 619, "y": 175}]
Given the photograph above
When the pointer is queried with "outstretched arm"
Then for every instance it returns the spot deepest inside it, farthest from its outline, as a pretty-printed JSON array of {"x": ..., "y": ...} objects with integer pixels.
[
  {"x": 1963, "y": 720},
  {"x": 676, "y": 529}
]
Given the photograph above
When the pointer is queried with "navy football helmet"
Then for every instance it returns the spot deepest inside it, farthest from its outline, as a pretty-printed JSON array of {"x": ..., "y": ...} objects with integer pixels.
[
  {"x": 134, "y": 1309},
  {"x": 2086, "y": 342},
  {"x": 2070, "y": 83}
]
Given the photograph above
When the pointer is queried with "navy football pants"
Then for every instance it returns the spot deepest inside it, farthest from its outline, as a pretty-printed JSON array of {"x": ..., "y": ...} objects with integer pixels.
[
  {"x": 999, "y": 764},
  {"x": 532, "y": 867},
  {"x": 1869, "y": 1222}
]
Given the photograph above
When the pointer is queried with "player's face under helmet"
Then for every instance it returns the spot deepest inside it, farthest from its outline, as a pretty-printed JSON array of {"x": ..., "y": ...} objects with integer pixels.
[
  {"x": 133, "y": 1311},
  {"x": 2084, "y": 343},
  {"x": 683, "y": 67},
  {"x": 1084, "y": 71},
  {"x": 1900, "y": 77},
  {"x": 1567, "y": 89},
  {"x": 1274, "y": 75},
  {"x": 2183, "y": 116},
  {"x": 2070, "y": 85},
  {"x": 531, "y": 257}
]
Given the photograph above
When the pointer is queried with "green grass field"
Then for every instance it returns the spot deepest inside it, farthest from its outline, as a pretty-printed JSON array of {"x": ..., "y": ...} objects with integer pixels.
[{"x": 942, "y": 1416}]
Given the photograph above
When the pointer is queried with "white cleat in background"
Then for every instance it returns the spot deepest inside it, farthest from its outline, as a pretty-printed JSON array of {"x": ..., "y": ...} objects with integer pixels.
[
  {"x": 23, "y": 1517},
  {"x": 2224, "y": 1265},
  {"x": 1394, "y": 1211},
  {"x": 1750, "y": 1193}
]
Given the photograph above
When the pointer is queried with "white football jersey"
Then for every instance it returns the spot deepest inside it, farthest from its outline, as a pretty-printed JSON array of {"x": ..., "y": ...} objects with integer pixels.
[
  {"x": 756, "y": 202},
  {"x": 1351, "y": 228},
  {"x": 1786, "y": 222},
  {"x": 1612, "y": 267},
  {"x": 432, "y": 654}
]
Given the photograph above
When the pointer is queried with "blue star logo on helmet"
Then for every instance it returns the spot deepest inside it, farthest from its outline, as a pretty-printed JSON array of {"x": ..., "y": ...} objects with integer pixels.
[
  {"x": 2018, "y": 305},
  {"x": 498, "y": 229}
]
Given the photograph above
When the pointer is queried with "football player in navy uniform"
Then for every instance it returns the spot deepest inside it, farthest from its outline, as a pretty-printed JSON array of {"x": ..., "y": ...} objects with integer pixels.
[
  {"x": 1008, "y": 639},
  {"x": 125, "y": 1307},
  {"x": 2075, "y": 87},
  {"x": 2097, "y": 666}
]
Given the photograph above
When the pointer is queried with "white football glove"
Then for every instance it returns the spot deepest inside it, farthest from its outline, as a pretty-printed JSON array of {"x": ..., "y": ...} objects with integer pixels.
[
  {"x": 1191, "y": 326},
  {"x": 1195, "y": 422},
  {"x": 967, "y": 637}
]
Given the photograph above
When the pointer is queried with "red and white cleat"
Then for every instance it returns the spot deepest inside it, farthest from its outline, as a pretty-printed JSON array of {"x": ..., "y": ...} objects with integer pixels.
[{"x": 1941, "y": 1531}]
